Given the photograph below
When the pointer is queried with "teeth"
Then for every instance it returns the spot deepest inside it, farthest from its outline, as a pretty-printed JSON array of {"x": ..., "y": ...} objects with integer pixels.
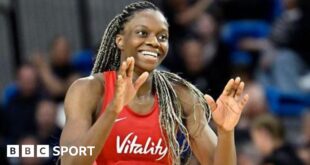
[{"x": 148, "y": 53}]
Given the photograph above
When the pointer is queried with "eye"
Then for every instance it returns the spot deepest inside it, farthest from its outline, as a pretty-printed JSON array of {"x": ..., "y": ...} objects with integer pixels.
[
  {"x": 163, "y": 38},
  {"x": 142, "y": 33}
]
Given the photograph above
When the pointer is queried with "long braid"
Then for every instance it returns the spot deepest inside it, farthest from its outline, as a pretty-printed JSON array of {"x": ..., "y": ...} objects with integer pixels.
[
  {"x": 108, "y": 57},
  {"x": 171, "y": 116}
]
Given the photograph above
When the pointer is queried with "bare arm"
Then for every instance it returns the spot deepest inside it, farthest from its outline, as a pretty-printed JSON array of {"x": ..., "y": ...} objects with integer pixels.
[
  {"x": 54, "y": 85},
  {"x": 203, "y": 140},
  {"x": 208, "y": 148},
  {"x": 80, "y": 104},
  {"x": 225, "y": 152}
]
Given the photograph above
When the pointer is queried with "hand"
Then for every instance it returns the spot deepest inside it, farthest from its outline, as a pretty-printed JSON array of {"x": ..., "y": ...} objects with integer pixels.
[
  {"x": 227, "y": 110},
  {"x": 39, "y": 61},
  {"x": 250, "y": 44},
  {"x": 126, "y": 89}
]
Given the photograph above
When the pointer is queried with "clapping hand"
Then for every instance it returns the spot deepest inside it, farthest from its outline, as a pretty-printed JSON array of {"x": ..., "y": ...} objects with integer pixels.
[
  {"x": 227, "y": 109},
  {"x": 126, "y": 89}
]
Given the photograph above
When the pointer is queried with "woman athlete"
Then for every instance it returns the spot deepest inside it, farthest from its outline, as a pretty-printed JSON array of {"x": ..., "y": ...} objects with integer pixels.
[{"x": 135, "y": 114}]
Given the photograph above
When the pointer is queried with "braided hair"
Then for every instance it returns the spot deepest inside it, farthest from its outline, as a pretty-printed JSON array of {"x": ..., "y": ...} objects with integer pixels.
[{"x": 171, "y": 114}]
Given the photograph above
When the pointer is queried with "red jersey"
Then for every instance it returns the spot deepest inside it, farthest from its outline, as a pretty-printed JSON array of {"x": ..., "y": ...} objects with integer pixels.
[{"x": 134, "y": 139}]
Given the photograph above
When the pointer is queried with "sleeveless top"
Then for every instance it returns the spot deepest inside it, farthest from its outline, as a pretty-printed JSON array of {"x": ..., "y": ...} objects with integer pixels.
[{"x": 134, "y": 139}]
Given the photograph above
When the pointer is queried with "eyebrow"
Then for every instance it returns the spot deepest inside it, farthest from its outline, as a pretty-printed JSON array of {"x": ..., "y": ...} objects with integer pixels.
[{"x": 163, "y": 29}]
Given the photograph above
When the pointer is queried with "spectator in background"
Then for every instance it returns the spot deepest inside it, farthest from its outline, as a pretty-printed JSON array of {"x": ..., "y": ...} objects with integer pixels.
[
  {"x": 199, "y": 69},
  {"x": 285, "y": 26},
  {"x": 300, "y": 44},
  {"x": 57, "y": 74},
  {"x": 29, "y": 140},
  {"x": 20, "y": 109},
  {"x": 284, "y": 47},
  {"x": 282, "y": 31},
  {"x": 191, "y": 51},
  {"x": 181, "y": 14},
  {"x": 258, "y": 105},
  {"x": 47, "y": 131},
  {"x": 242, "y": 66},
  {"x": 269, "y": 139},
  {"x": 246, "y": 154},
  {"x": 215, "y": 53}
]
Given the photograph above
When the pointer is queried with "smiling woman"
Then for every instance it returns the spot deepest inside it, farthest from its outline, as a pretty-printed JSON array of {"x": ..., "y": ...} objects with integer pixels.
[
  {"x": 132, "y": 113},
  {"x": 145, "y": 38}
]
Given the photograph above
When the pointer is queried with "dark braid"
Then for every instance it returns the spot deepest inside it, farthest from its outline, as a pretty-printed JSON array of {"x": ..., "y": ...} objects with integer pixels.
[{"x": 171, "y": 114}]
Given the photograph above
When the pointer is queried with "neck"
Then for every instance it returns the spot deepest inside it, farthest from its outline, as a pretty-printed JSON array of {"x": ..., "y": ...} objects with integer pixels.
[
  {"x": 207, "y": 40},
  {"x": 45, "y": 132},
  {"x": 146, "y": 89},
  {"x": 278, "y": 143}
]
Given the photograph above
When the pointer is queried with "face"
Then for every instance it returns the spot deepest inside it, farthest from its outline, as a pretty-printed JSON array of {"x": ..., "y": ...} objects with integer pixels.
[
  {"x": 29, "y": 160},
  {"x": 61, "y": 51},
  {"x": 192, "y": 53},
  {"x": 262, "y": 140},
  {"x": 145, "y": 37},
  {"x": 46, "y": 114},
  {"x": 27, "y": 80},
  {"x": 206, "y": 26}
]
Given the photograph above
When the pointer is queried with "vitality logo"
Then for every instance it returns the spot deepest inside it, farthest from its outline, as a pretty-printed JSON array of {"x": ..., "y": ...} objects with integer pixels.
[{"x": 129, "y": 145}]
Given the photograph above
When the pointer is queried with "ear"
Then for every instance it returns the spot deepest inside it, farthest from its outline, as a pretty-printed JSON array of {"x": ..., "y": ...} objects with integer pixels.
[{"x": 119, "y": 40}]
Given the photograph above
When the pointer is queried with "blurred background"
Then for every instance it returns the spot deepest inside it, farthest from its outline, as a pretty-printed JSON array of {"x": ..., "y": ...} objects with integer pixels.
[{"x": 47, "y": 44}]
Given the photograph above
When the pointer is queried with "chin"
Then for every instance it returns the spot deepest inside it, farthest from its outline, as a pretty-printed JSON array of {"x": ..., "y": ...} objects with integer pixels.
[
  {"x": 146, "y": 67},
  {"x": 149, "y": 69}
]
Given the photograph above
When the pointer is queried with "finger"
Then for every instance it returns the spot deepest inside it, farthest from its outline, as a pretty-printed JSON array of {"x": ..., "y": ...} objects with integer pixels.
[
  {"x": 239, "y": 91},
  {"x": 210, "y": 102},
  {"x": 123, "y": 69},
  {"x": 119, "y": 86},
  {"x": 131, "y": 67},
  {"x": 236, "y": 85},
  {"x": 243, "y": 102},
  {"x": 141, "y": 79},
  {"x": 228, "y": 88}
]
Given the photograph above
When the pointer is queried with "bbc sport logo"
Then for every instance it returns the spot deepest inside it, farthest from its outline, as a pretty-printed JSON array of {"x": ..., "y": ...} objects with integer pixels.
[{"x": 44, "y": 151}]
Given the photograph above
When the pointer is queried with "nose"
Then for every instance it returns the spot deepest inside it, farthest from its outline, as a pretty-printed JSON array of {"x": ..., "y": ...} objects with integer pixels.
[{"x": 152, "y": 41}]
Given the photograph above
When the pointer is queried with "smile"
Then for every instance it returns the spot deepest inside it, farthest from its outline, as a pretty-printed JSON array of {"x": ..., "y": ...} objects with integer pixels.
[{"x": 148, "y": 53}]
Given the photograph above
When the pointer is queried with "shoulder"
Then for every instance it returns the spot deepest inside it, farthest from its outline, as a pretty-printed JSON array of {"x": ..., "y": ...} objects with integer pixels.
[
  {"x": 181, "y": 90},
  {"x": 186, "y": 97},
  {"x": 85, "y": 93},
  {"x": 91, "y": 84},
  {"x": 179, "y": 85},
  {"x": 187, "y": 94}
]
